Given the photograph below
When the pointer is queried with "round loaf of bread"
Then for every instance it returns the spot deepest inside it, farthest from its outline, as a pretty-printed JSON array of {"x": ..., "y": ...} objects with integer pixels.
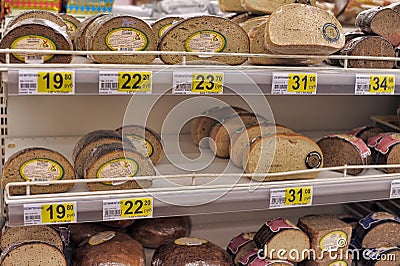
[
  {"x": 80, "y": 35},
  {"x": 36, "y": 34},
  {"x": 282, "y": 152},
  {"x": 20, "y": 234},
  {"x": 40, "y": 14},
  {"x": 121, "y": 33},
  {"x": 151, "y": 233},
  {"x": 119, "y": 224},
  {"x": 190, "y": 251},
  {"x": 37, "y": 164},
  {"x": 79, "y": 232},
  {"x": 90, "y": 142},
  {"x": 33, "y": 253},
  {"x": 72, "y": 24},
  {"x": 146, "y": 141},
  {"x": 205, "y": 34},
  {"x": 110, "y": 248},
  {"x": 117, "y": 160},
  {"x": 161, "y": 25}
]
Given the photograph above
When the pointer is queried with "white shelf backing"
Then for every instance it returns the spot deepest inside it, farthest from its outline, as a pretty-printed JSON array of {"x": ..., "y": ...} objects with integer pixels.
[{"x": 222, "y": 196}]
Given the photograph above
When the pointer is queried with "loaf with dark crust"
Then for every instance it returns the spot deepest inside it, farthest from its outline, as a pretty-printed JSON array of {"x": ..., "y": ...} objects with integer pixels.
[
  {"x": 72, "y": 24},
  {"x": 37, "y": 14},
  {"x": 79, "y": 232},
  {"x": 80, "y": 35},
  {"x": 366, "y": 132}
]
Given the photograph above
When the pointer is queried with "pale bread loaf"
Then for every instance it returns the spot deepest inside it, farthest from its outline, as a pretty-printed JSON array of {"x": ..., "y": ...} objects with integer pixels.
[
  {"x": 252, "y": 22},
  {"x": 231, "y": 6},
  {"x": 268, "y": 6}
]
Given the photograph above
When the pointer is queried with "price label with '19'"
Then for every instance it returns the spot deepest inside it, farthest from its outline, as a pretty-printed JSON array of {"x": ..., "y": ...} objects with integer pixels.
[
  {"x": 51, "y": 213},
  {"x": 46, "y": 82}
]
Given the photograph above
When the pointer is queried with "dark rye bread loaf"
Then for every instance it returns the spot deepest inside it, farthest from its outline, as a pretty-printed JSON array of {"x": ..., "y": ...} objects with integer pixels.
[
  {"x": 151, "y": 233},
  {"x": 36, "y": 34},
  {"x": 345, "y": 149},
  {"x": 80, "y": 232},
  {"x": 379, "y": 229},
  {"x": 40, "y": 14},
  {"x": 347, "y": 36},
  {"x": 241, "y": 245},
  {"x": 115, "y": 160},
  {"x": 386, "y": 256},
  {"x": 37, "y": 164},
  {"x": 269, "y": 6},
  {"x": 382, "y": 21},
  {"x": 80, "y": 35},
  {"x": 119, "y": 224},
  {"x": 72, "y": 24},
  {"x": 19, "y": 234},
  {"x": 89, "y": 142},
  {"x": 366, "y": 132},
  {"x": 190, "y": 251},
  {"x": 162, "y": 24},
  {"x": 368, "y": 46},
  {"x": 120, "y": 33},
  {"x": 110, "y": 248},
  {"x": 328, "y": 234},
  {"x": 205, "y": 34},
  {"x": 388, "y": 151},
  {"x": 254, "y": 258},
  {"x": 33, "y": 253},
  {"x": 282, "y": 152},
  {"x": 280, "y": 233},
  {"x": 290, "y": 31},
  {"x": 146, "y": 141}
]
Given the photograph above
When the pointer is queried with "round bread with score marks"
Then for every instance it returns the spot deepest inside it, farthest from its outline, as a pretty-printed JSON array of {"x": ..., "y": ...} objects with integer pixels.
[
  {"x": 37, "y": 164},
  {"x": 205, "y": 34},
  {"x": 283, "y": 152}
]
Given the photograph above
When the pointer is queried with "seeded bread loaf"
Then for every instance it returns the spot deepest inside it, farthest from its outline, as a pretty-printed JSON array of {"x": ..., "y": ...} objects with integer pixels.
[
  {"x": 328, "y": 235},
  {"x": 37, "y": 164},
  {"x": 290, "y": 31},
  {"x": 190, "y": 251},
  {"x": 110, "y": 248},
  {"x": 231, "y": 6},
  {"x": 20, "y": 234},
  {"x": 345, "y": 149},
  {"x": 161, "y": 25},
  {"x": 120, "y": 33},
  {"x": 269, "y": 6},
  {"x": 37, "y": 14},
  {"x": 36, "y": 34},
  {"x": 151, "y": 233},
  {"x": 33, "y": 253},
  {"x": 282, "y": 152},
  {"x": 89, "y": 142},
  {"x": 205, "y": 34},
  {"x": 72, "y": 24},
  {"x": 366, "y": 132},
  {"x": 281, "y": 233},
  {"x": 253, "y": 258},
  {"x": 80, "y": 232},
  {"x": 388, "y": 151},
  {"x": 80, "y": 35},
  {"x": 382, "y": 21},
  {"x": 146, "y": 141}
]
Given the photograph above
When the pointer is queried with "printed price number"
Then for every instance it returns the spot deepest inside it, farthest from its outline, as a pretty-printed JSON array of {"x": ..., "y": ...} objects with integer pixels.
[
  {"x": 139, "y": 207},
  {"x": 381, "y": 84},
  {"x": 58, "y": 213},
  {"x": 298, "y": 196},
  {"x": 56, "y": 82},
  {"x": 134, "y": 81},
  {"x": 302, "y": 83},
  {"x": 207, "y": 82}
]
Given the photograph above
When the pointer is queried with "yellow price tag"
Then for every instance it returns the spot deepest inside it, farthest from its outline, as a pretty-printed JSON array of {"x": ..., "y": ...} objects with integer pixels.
[
  {"x": 131, "y": 82},
  {"x": 298, "y": 196},
  {"x": 207, "y": 82},
  {"x": 381, "y": 84},
  {"x": 56, "y": 82},
  {"x": 136, "y": 207},
  {"x": 58, "y": 213},
  {"x": 302, "y": 83}
]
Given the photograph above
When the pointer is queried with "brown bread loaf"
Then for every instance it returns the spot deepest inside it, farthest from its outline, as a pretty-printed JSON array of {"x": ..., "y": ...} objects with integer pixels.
[
  {"x": 231, "y": 6},
  {"x": 386, "y": 256},
  {"x": 37, "y": 14},
  {"x": 254, "y": 258},
  {"x": 80, "y": 35},
  {"x": 366, "y": 132},
  {"x": 252, "y": 22},
  {"x": 388, "y": 151},
  {"x": 37, "y": 164},
  {"x": 72, "y": 24},
  {"x": 162, "y": 24},
  {"x": 347, "y": 36},
  {"x": 119, "y": 224},
  {"x": 241, "y": 245},
  {"x": 269, "y": 6},
  {"x": 242, "y": 17},
  {"x": 80, "y": 232}
]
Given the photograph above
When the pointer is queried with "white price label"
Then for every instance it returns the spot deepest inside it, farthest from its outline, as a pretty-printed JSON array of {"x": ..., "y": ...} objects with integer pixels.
[
  {"x": 395, "y": 189},
  {"x": 125, "y": 82},
  {"x": 374, "y": 84},
  {"x": 290, "y": 197},
  {"x": 44, "y": 82},
  {"x": 294, "y": 83},
  {"x": 198, "y": 83},
  {"x": 50, "y": 213},
  {"x": 132, "y": 208}
]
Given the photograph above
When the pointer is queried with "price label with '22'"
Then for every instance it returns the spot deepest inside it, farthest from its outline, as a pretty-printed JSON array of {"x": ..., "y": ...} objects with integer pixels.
[
  {"x": 125, "y": 82},
  {"x": 128, "y": 208},
  {"x": 291, "y": 197},
  {"x": 46, "y": 82},
  {"x": 294, "y": 83},
  {"x": 50, "y": 213}
]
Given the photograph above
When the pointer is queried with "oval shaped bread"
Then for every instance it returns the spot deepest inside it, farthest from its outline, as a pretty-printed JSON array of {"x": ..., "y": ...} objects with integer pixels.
[
  {"x": 36, "y": 34},
  {"x": 121, "y": 33},
  {"x": 19, "y": 234},
  {"x": 283, "y": 152},
  {"x": 146, "y": 141},
  {"x": 72, "y": 24},
  {"x": 290, "y": 30},
  {"x": 33, "y": 253},
  {"x": 37, "y": 14},
  {"x": 205, "y": 34},
  {"x": 117, "y": 160},
  {"x": 80, "y": 35},
  {"x": 366, "y": 132},
  {"x": 388, "y": 151},
  {"x": 162, "y": 24},
  {"x": 89, "y": 142},
  {"x": 37, "y": 164},
  {"x": 190, "y": 251},
  {"x": 119, "y": 224}
]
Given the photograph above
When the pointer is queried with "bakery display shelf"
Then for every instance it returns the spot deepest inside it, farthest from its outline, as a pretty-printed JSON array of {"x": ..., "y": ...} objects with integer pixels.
[{"x": 217, "y": 188}]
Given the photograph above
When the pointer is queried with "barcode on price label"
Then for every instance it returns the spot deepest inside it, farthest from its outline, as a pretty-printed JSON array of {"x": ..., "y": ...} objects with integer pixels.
[
  {"x": 277, "y": 198},
  {"x": 32, "y": 214},
  {"x": 395, "y": 189},
  {"x": 27, "y": 82},
  {"x": 108, "y": 82}
]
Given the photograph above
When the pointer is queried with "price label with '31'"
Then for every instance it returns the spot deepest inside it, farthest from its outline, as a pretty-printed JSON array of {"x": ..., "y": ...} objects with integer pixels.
[{"x": 291, "y": 197}]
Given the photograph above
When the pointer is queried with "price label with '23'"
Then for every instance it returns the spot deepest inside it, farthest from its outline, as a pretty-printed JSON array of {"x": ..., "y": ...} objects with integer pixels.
[
  {"x": 50, "y": 213},
  {"x": 207, "y": 82},
  {"x": 128, "y": 208},
  {"x": 291, "y": 197}
]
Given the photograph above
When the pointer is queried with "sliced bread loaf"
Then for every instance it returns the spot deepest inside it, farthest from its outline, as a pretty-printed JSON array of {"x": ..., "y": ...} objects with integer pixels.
[
  {"x": 269, "y": 6},
  {"x": 231, "y": 6},
  {"x": 252, "y": 22},
  {"x": 162, "y": 24},
  {"x": 242, "y": 17},
  {"x": 72, "y": 24},
  {"x": 240, "y": 245},
  {"x": 80, "y": 232},
  {"x": 366, "y": 132},
  {"x": 37, "y": 164},
  {"x": 80, "y": 35},
  {"x": 37, "y": 14},
  {"x": 385, "y": 256},
  {"x": 205, "y": 34},
  {"x": 388, "y": 151}
]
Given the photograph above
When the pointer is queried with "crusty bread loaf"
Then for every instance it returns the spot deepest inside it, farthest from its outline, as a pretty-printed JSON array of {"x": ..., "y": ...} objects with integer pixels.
[
  {"x": 344, "y": 149},
  {"x": 33, "y": 253},
  {"x": 162, "y": 24},
  {"x": 205, "y": 34},
  {"x": 19, "y": 234},
  {"x": 290, "y": 30},
  {"x": 72, "y": 24},
  {"x": 190, "y": 251},
  {"x": 388, "y": 151},
  {"x": 115, "y": 160},
  {"x": 79, "y": 232},
  {"x": 231, "y": 6},
  {"x": 280, "y": 233},
  {"x": 269, "y": 6},
  {"x": 37, "y": 164},
  {"x": 366, "y": 132},
  {"x": 80, "y": 35},
  {"x": 37, "y": 14},
  {"x": 328, "y": 234},
  {"x": 280, "y": 153},
  {"x": 146, "y": 141},
  {"x": 252, "y": 22},
  {"x": 151, "y": 233}
]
